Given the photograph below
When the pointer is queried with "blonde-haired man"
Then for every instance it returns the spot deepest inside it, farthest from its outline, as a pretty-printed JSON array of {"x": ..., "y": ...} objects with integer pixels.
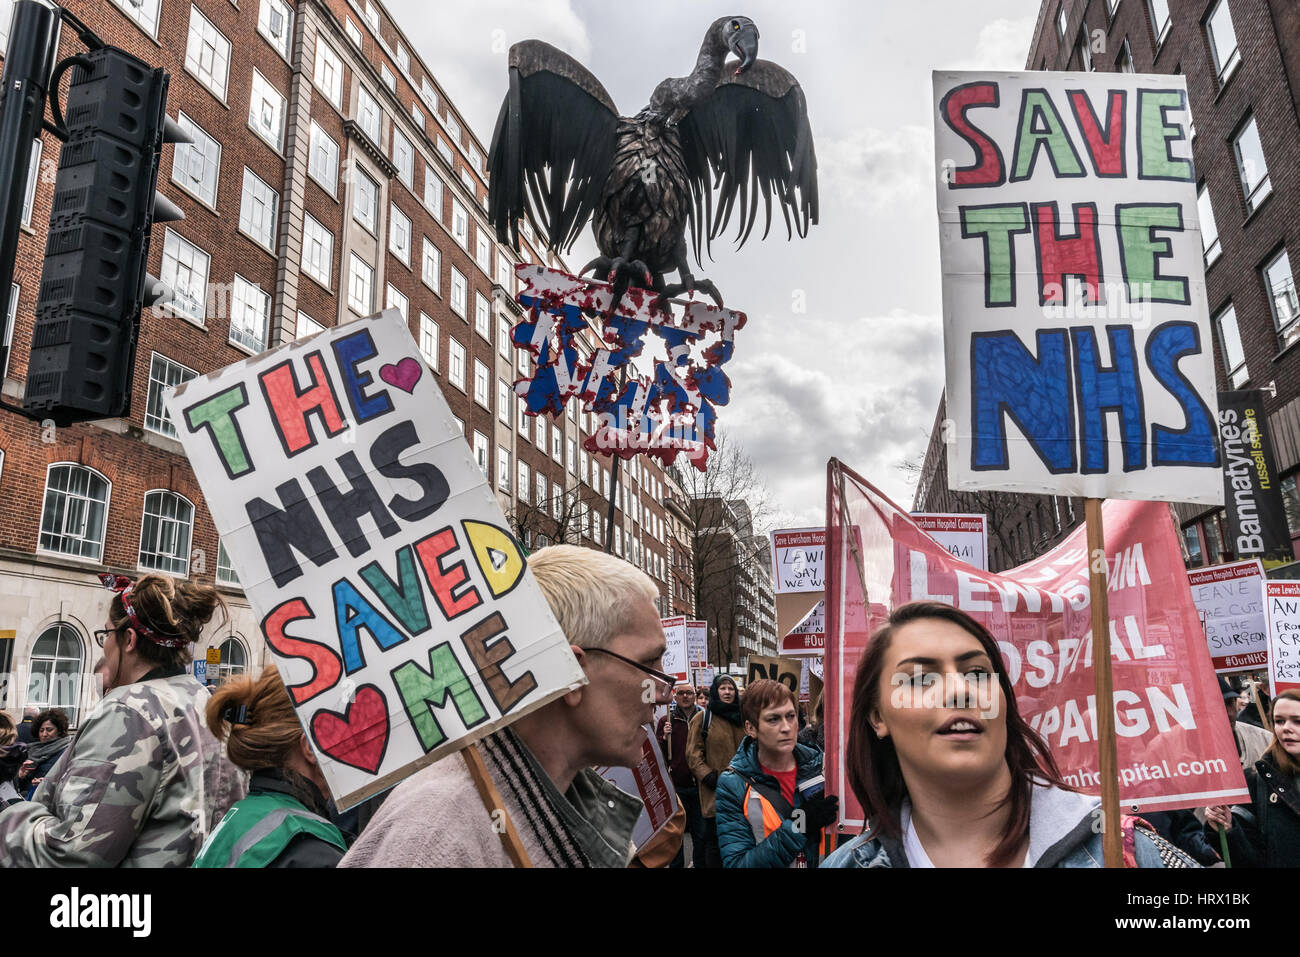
[{"x": 566, "y": 815}]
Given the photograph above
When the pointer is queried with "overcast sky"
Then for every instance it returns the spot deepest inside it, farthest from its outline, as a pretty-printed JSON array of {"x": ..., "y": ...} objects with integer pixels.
[{"x": 858, "y": 374}]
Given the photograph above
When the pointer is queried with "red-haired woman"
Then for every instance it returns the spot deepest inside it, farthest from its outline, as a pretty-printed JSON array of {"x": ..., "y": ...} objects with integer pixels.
[
  {"x": 948, "y": 773},
  {"x": 1266, "y": 832}
]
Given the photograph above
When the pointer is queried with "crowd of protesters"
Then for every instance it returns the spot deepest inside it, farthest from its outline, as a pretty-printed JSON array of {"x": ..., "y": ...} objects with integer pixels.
[{"x": 164, "y": 773}]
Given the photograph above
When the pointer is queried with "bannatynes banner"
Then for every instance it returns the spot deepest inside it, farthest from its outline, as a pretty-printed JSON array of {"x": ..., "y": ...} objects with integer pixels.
[{"x": 1257, "y": 525}]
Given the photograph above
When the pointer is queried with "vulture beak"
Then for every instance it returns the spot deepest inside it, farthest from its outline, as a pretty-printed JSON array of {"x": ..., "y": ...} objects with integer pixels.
[{"x": 744, "y": 44}]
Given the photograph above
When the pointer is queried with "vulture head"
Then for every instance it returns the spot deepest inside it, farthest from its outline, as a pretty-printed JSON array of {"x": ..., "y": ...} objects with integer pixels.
[{"x": 739, "y": 36}]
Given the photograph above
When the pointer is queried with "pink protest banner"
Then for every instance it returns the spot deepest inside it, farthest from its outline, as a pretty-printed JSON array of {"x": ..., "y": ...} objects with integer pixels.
[
  {"x": 1175, "y": 746},
  {"x": 651, "y": 782}
]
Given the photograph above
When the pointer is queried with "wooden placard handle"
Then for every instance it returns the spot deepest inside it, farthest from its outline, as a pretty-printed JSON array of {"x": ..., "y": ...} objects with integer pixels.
[
  {"x": 487, "y": 790},
  {"x": 1107, "y": 756}
]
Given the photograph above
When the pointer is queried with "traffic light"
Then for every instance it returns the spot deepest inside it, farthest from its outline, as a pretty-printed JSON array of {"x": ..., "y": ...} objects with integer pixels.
[{"x": 94, "y": 284}]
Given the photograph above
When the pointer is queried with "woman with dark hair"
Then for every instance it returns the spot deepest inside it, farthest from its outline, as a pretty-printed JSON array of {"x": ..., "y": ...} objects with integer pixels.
[
  {"x": 711, "y": 742},
  {"x": 144, "y": 781},
  {"x": 949, "y": 774},
  {"x": 1266, "y": 832},
  {"x": 51, "y": 741}
]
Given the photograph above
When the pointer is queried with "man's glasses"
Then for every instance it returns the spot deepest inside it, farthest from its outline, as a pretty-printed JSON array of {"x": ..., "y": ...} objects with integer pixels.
[{"x": 659, "y": 676}]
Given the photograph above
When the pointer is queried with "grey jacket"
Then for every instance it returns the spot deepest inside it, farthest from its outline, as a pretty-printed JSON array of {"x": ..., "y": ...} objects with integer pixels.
[
  {"x": 1062, "y": 833},
  {"x": 141, "y": 785}
]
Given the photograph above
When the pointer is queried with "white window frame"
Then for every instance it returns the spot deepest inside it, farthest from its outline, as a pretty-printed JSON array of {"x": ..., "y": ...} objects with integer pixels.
[
  {"x": 1210, "y": 245},
  {"x": 226, "y": 574},
  {"x": 459, "y": 224},
  {"x": 164, "y": 373},
  {"x": 1238, "y": 374},
  {"x": 1264, "y": 186},
  {"x": 482, "y": 316},
  {"x": 306, "y": 326},
  {"x": 259, "y": 209},
  {"x": 184, "y": 303},
  {"x": 456, "y": 363},
  {"x": 358, "y": 277},
  {"x": 204, "y": 145},
  {"x": 504, "y": 392},
  {"x": 265, "y": 25},
  {"x": 503, "y": 468},
  {"x": 1225, "y": 65},
  {"x": 522, "y": 425},
  {"x": 399, "y": 234},
  {"x": 317, "y": 251},
  {"x": 482, "y": 385},
  {"x": 428, "y": 341},
  {"x": 206, "y": 44},
  {"x": 260, "y": 95},
  {"x": 483, "y": 251},
  {"x": 367, "y": 217},
  {"x": 394, "y": 298},
  {"x": 481, "y": 453},
  {"x": 177, "y": 561},
  {"x": 404, "y": 158},
  {"x": 432, "y": 198},
  {"x": 327, "y": 75},
  {"x": 353, "y": 31},
  {"x": 143, "y": 14},
  {"x": 1288, "y": 327},
  {"x": 503, "y": 337},
  {"x": 388, "y": 77},
  {"x": 33, "y": 175},
  {"x": 86, "y": 500},
  {"x": 1161, "y": 30},
  {"x": 323, "y": 159},
  {"x": 459, "y": 294},
  {"x": 431, "y": 265},
  {"x": 254, "y": 301},
  {"x": 524, "y": 481},
  {"x": 369, "y": 115}
]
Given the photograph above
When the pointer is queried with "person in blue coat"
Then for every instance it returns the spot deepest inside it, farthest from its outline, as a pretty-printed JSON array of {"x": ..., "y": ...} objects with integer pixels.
[
  {"x": 949, "y": 774},
  {"x": 770, "y": 807}
]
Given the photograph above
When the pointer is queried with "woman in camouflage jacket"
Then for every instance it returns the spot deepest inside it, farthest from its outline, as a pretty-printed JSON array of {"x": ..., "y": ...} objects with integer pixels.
[{"x": 145, "y": 780}]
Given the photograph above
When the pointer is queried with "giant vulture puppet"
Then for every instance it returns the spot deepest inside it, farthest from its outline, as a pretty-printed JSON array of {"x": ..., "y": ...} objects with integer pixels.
[{"x": 561, "y": 155}]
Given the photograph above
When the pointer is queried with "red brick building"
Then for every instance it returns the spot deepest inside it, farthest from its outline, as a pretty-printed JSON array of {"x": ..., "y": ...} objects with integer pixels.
[{"x": 330, "y": 176}]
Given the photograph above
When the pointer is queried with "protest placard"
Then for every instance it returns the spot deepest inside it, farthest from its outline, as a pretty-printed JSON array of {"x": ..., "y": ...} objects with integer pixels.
[
  {"x": 809, "y": 636},
  {"x": 1174, "y": 748},
  {"x": 784, "y": 670},
  {"x": 650, "y": 781},
  {"x": 965, "y": 536},
  {"x": 697, "y": 644},
  {"x": 1076, "y": 332},
  {"x": 1283, "y": 635},
  {"x": 675, "y": 657},
  {"x": 1230, "y": 599},
  {"x": 798, "y": 559},
  {"x": 401, "y": 612}
]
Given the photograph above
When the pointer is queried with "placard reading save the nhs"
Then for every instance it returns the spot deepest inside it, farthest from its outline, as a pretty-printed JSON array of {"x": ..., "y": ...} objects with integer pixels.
[
  {"x": 1076, "y": 335},
  {"x": 403, "y": 616}
]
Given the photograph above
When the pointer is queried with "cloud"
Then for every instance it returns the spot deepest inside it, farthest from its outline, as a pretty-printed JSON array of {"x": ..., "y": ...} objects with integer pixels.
[
  {"x": 1002, "y": 44},
  {"x": 872, "y": 170}
]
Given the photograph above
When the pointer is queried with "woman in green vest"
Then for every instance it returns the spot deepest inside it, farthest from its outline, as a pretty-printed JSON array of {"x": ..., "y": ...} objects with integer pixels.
[{"x": 284, "y": 820}]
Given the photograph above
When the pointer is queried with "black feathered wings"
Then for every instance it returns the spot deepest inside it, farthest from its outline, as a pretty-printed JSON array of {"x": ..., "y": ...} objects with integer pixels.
[
  {"x": 750, "y": 139},
  {"x": 553, "y": 145}
]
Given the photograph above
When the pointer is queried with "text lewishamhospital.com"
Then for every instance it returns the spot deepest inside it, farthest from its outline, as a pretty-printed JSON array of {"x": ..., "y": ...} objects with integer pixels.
[{"x": 1148, "y": 772}]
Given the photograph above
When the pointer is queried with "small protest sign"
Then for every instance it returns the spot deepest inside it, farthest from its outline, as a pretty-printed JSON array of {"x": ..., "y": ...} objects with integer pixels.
[
  {"x": 798, "y": 559},
  {"x": 1230, "y": 599},
  {"x": 1077, "y": 337},
  {"x": 784, "y": 670},
  {"x": 650, "y": 781},
  {"x": 965, "y": 536},
  {"x": 809, "y": 636},
  {"x": 697, "y": 644},
  {"x": 1283, "y": 635},
  {"x": 401, "y": 612},
  {"x": 675, "y": 657}
]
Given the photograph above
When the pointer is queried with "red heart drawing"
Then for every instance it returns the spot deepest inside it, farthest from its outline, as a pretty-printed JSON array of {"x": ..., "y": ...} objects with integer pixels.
[
  {"x": 359, "y": 736},
  {"x": 404, "y": 375}
]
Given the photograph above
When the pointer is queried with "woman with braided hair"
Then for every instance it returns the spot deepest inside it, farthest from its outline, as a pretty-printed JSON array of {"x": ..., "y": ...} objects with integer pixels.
[{"x": 144, "y": 781}]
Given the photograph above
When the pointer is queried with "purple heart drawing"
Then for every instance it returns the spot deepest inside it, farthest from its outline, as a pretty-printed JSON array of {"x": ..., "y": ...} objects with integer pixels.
[{"x": 403, "y": 375}]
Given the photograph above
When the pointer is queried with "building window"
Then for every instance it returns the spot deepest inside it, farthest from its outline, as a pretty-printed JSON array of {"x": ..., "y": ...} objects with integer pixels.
[
  {"x": 1291, "y": 504},
  {"x": 329, "y": 73},
  {"x": 541, "y": 491},
  {"x": 459, "y": 224},
  {"x": 14, "y": 290},
  {"x": 250, "y": 315},
  {"x": 481, "y": 452},
  {"x": 226, "y": 574},
  {"x": 365, "y": 202},
  {"x": 353, "y": 31},
  {"x": 75, "y": 508},
  {"x": 429, "y": 341},
  {"x": 482, "y": 386},
  {"x": 368, "y": 114},
  {"x": 306, "y": 326},
  {"x": 468, "y": 180},
  {"x": 1209, "y": 231},
  {"x": 1062, "y": 20},
  {"x": 323, "y": 159},
  {"x": 1223, "y": 42},
  {"x": 453, "y": 128},
  {"x": 445, "y": 152},
  {"x": 207, "y": 54},
  {"x": 428, "y": 94},
  {"x": 1085, "y": 53},
  {"x": 395, "y": 300},
  {"x": 503, "y": 468},
  {"x": 163, "y": 374},
  {"x": 483, "y": 251},
  {"x": 503, "y": 337},
  {"x": 399, "y": 234},
  {"x": 403, "y": 59},
  {"x": 266, "y": 110},
  {"x": 524, "y": 481},
  {"x": 386, "y": 74},
  {"x": 456, "y": 364},
  {"x": 476, "y": 159},
  {"x": 1214, "y": 551},
  {"x": 257, "y": 211},
  {"x": 195, "y": 166},
  {"x": 541, "y": 432},
  {"x": 557, "y": 444},
  {"x": 54, "y": 677},
  {"x": 404, "y": 158},
  {"x": 143, "y": 12},
  {"x": 372, "y": 16},
  {"x": 503, "y": 402},
  {"x": 432, "y": 192},
  {"x": 573, "y": 457},
  {"x": 1280, "y": 284},
  {"x": 317, "y": 251},
  {"x": 165, "y": 533},
  {"x": 361, "y": 285},
  {"x": 234, "y": 660},
  {"x": 431, "y": 265},
  {"x": 1159, "y": 19},
  {"x": 1252, "y": 169},
  {"x": 275, "y": 22},
  {"x": 482, "y": 316},
  {"x": 417, "y": 115},
  {"x": 185, "y": 270},
  {"x": 459, "y": 293},
  {"x": 521, "y": 418},
  {"x": 1234, "y": 359},
  {"x": 1124, "y": 63},
  {"x": 506, "y": 275}
]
